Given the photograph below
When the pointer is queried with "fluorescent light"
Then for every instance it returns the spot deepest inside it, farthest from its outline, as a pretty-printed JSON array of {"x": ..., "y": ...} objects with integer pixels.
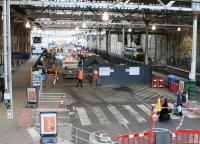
[
  {"x": 178, "y": 29},
  {"x": 153, "y": 27},
  {"x": 27, "y": 25},
  {"x": 34, "y": 28},
  {"x": 129, "y": 30},
  {"x": 105, "y": 16},
  {"x": 84, "y": 25}
]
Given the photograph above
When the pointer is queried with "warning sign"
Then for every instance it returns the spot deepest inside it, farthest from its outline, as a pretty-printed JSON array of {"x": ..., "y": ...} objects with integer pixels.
[{"x": 48, "y": 123}]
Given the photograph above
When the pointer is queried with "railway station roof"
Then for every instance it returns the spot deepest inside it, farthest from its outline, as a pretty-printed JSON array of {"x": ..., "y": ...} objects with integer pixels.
[{"x": 57, "y": 14}]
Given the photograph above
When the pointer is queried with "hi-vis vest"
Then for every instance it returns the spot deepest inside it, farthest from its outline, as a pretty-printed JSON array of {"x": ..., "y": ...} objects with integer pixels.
[{"x": 80, "y": 74}]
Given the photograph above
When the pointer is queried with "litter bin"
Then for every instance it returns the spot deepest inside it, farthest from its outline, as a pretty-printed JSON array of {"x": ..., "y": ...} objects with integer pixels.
[{"x": 162, "y": 136}]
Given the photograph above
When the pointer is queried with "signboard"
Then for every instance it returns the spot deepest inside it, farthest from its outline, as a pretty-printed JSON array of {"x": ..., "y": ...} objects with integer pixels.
[
  {"x": 48, "y": 123},
  {"x": 181, "y": 86},
  {"x": 105, "y": 71},
  {"x": 133, "y": 70},
  {"x": 196, "y": 5},
  {"x": 31, "y": 95},
  {"x": 37, "y": 40},
  {"x": 9, "y": 113},
  {"x": 37, "y": 77}
]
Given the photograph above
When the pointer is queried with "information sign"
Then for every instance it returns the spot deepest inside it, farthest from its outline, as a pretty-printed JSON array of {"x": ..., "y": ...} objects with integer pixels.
[
  {"x": 48, "y": 123},
  {"x": 31, "y": 95}
]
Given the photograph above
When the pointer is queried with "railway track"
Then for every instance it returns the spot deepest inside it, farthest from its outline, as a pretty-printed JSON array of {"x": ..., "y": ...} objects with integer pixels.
[{"x": 166, "y": 70}]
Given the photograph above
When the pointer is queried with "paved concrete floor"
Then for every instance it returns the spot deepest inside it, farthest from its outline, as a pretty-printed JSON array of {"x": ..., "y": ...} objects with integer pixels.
[{"x": 14, "y": 131}]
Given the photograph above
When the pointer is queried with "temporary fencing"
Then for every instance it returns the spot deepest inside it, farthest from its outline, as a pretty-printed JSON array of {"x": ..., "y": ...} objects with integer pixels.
[
  {"x": 185, "y": 137},
  {"x": 158, "y": 82},
  {"x": 137, "y": 138}
]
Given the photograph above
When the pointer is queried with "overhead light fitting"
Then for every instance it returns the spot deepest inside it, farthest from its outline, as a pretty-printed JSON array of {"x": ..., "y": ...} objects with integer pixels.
[
  {"x": 27, "y": 25},
  {"x": 84, "y": 25},
  {"x": 153, "y": 27},
  {"x": 178, "y": 29},
  {"x": 35, "y": 28},
  {"x": 105, "y": 16},
  {"x": 129, "y": 30}
]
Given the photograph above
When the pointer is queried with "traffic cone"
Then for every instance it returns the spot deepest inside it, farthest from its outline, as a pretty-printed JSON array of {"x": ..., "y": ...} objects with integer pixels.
[
  {"x": 62, "y": 104},
  {"x": 158, "y": 106}
]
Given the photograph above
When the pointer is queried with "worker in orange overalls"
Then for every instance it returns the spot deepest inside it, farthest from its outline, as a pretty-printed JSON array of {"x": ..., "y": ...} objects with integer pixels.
[{"x": 80, "y": 78}]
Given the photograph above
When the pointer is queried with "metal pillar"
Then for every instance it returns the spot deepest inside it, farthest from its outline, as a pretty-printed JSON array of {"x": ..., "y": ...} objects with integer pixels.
[
  {"x": 5, "y": 44},
  {"x": 123, "y": 39},
  {"x": 192, "y": 74},
  {"x": 10, "y": 113},
  {"x": 146, "y": 43},
  {"x": 99, "y": 39},
  {"x": 107, "y": 39}
]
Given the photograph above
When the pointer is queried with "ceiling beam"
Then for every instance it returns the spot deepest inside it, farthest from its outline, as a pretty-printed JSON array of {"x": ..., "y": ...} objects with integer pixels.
[{"x": 99, "y": 5}]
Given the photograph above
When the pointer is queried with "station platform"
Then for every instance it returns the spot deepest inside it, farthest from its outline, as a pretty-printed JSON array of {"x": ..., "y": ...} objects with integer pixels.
[{"x": 117, "y": 110}]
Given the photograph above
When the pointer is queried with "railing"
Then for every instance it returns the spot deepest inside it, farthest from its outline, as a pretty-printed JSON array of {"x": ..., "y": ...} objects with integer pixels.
[
  {"x": 54, "y": 100},
  {"x": 80, "y": 136}
]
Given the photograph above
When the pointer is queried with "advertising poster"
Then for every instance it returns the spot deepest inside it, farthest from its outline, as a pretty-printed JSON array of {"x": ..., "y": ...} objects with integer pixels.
[
  {"x": 181, "y": 86},
  {"x": 48, "y": 123},
  {"x": 31, "y": 94}
]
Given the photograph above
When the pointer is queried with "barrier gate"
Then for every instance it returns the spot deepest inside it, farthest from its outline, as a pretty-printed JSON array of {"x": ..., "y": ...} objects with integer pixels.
[{"x": 177, "y": 137}]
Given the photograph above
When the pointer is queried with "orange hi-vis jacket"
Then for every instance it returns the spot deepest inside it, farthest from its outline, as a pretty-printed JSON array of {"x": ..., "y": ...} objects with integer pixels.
[{"x": 80, "y": 75}]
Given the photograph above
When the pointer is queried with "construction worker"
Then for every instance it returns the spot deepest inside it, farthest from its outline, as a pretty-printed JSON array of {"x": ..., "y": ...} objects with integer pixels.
[{"x": 80, "y": 78}]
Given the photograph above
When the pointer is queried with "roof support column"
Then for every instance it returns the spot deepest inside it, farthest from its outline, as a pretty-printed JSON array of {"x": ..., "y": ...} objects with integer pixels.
[
  {"x": 192, "y": 74},
  {"x": 123, "y": 36},
  {"x": 194, "y": 49},
  {"x": 5, "y": 45},
  {"x": 146, "y": 42}
]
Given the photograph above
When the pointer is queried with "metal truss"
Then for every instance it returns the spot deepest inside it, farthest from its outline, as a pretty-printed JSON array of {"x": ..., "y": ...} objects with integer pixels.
[{"x": 100, "y": 5}]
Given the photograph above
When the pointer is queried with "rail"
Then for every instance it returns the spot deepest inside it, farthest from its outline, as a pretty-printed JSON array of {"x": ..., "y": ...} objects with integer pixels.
[
  {"x": 83, "y": 137},
  {"x": 54, "y": 100}
]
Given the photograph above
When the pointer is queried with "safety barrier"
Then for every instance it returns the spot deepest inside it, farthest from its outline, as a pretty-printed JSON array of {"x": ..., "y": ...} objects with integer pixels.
[
  {"x": 54, "y": 100},
  {"x": 185, "y": 137},
  {"x": 137, "y": 138},
  {"x": 79, "y": 136},
  {"x": 158, "y": 82},
  {"x": 153, "y": 137},
  {"x": 174, "y": 86}
]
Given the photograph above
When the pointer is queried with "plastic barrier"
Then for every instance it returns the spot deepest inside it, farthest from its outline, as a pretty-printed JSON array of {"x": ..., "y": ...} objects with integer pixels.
[
  {"x": 185, "y": 137},
  {"x": 137, "y": 138},
  {"x": 158, "y": 83}
]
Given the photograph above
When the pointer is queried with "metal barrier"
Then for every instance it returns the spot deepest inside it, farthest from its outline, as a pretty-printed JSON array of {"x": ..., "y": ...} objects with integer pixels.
[
  {"x": 81, "y": 136},
  {"x": 54, "y": 100},
  {"x": 185, "y": 137},
  {"x": 137, "y": 138}
]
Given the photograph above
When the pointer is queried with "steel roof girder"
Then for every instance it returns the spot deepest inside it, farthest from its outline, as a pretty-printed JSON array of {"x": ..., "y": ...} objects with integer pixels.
[{"x": 97, "y": 5}]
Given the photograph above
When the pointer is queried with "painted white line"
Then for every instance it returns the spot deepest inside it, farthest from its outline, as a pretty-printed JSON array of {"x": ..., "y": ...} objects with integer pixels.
[
  {"x": 34, "y": 134},
  {"x": 134, "y": 113},
  {"x": 83, "y": 116},
  {"x": 185, "y": 112},
  {"x": 120, "y": 118},
  {"x": 145, "y": 109},
  {"x": 100, "y": 115}
]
